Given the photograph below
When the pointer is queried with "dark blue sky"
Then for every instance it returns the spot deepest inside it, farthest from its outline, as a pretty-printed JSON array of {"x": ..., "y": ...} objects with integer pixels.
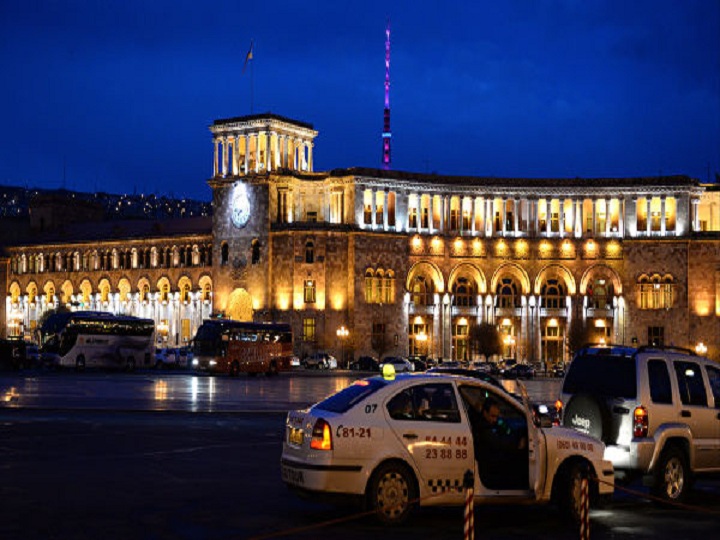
[{"x": 117, "y": 95}]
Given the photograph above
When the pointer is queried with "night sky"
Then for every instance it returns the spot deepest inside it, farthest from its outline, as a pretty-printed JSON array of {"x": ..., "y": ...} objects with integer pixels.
[{"x": 117, "y": 95}]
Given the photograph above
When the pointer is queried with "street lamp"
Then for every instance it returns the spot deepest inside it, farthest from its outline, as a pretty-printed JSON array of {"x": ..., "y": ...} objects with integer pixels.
[{"x": 342, "y": 334}]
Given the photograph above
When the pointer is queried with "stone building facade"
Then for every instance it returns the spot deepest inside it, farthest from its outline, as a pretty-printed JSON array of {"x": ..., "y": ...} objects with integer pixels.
[{"x": 408, "y": 263}]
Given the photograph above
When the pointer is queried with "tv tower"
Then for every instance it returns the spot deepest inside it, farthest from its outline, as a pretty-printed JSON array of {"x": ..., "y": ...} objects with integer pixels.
[{"x": 386, "y": 135}]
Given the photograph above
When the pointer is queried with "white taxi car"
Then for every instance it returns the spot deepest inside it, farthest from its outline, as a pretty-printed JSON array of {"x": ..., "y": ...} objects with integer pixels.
[{"x": 399, "y": 441}]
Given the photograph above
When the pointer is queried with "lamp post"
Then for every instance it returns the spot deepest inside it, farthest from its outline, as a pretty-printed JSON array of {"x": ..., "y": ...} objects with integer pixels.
[{"x": 342, "y": 334}]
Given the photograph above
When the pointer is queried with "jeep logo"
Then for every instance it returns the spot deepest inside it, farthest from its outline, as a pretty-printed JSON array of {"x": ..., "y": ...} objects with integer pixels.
[{"x": 581, "y": 424}]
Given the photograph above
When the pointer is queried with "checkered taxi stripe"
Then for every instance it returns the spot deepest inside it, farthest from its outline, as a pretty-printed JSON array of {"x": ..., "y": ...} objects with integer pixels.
[{"x": 440, "y": 486}]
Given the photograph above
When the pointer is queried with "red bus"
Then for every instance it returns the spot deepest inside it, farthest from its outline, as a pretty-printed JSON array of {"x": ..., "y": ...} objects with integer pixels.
[{"x": 233, "y": 347}]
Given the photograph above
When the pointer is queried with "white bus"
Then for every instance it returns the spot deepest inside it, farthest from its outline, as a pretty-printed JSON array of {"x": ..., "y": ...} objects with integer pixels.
[{"x": 86, "y": 339}]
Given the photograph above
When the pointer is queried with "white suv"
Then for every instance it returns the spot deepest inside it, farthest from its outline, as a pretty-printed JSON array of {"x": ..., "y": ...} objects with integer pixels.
[{"x": 657, "y": 409}]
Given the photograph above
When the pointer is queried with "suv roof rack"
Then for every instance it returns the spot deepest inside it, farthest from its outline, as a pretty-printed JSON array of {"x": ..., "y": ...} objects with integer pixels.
[
  {"x": 607, "y": 348},
  {"x": 669, "y": 348}
]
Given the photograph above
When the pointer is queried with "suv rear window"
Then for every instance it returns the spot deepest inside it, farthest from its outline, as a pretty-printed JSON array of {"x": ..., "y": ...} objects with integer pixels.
[
  {"x": 599, "y": 374},
  {"x": 350, "y": 396}
]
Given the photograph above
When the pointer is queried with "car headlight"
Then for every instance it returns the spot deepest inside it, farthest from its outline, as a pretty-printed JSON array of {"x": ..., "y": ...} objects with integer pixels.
[{"x": 195, "y": 362}]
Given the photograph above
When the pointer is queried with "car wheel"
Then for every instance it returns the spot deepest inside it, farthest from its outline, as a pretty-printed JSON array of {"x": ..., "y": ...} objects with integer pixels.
[
  {"x": 672, "y": 475},
  {"x": 588, "y": 414},
  {"x": 80, "y": 363},
  {"x": 569, "y": 496},
  {"x": 130, "y": 364},
  {"x": 392, "y": 493}
]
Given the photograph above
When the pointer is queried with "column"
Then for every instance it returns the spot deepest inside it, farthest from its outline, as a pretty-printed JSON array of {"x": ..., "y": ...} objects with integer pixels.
[
  {"x": 215, "y": 157},
  {"x": 224, "y": 156},
  {"x": 695, "y": 214},
  {"x": 516, "y": 218},
  {"x": 310, "y": 156},
  {"x": 503, "y": 216},
  {"x": 607, "y": 217},
  {"x": 578, "y": 219},
  {"x": 247, "y": 154},
  {"x": 594, "y": 216},
  {"x": 236, "y": 157},
  {"x": 621, "y": 217},
  {"x": 489, "y": 217},
  {"x": 648, "y": 224},
  {"x": 662, "y": 215}
]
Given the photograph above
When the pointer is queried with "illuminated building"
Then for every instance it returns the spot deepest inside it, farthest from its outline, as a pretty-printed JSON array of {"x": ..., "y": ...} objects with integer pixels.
[{"x": 409, "y": 263}]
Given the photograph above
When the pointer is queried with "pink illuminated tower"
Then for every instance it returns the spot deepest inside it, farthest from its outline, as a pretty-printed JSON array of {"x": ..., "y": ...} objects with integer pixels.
[{"x": 386, "y": 135}]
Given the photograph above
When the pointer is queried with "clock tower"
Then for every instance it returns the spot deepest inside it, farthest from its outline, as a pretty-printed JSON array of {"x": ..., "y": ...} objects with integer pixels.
[{"x": 251, "y": 153}]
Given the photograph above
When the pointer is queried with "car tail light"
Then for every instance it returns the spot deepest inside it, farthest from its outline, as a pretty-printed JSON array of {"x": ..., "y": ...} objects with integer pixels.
[
  {"x": 321, "y": 436},
  {"x": 640, "y": 422},
  {"x": 558, "y": 412}
]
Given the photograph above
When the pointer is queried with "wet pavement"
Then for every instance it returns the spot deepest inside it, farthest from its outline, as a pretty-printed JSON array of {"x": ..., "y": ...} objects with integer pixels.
[{"x": 188, "y": 392}]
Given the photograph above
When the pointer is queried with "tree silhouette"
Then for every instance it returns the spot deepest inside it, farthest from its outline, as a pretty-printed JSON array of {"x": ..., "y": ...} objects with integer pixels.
[{"x": 485, "y": 340}]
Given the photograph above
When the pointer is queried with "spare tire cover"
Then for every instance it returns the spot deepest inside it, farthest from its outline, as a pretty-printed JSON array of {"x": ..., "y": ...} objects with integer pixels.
[{"x": 586, "y": 413}]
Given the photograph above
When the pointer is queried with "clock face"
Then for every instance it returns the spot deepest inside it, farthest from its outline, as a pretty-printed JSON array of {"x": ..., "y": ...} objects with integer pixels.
[{"x": 240, "y": 209}]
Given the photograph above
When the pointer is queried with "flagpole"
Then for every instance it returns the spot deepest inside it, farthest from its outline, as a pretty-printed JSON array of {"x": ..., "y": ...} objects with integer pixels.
[{"x": 252, "y": 84}]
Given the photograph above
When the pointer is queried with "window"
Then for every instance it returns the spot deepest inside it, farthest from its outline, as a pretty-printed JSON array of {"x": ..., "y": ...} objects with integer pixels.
[
  {"x": 413, "y": 218},
  {"x": 427, "y": 402},
  {"x": 224, "y": 254},
  {"x": 660, "y": 389},
  {"x": 422, "y": 291},
  {"x": 309, "y": 291},
  {"x": 367, "y": 207},
  {"x": 309, "y": 329},
  {"x": 379, "y": 206},
  {"x": 283, "y": 207},
  {"x": 255, "y": 251},
  {"x": 507, "y": 294},
  {"x": 391, "y": 209},
  {"x": 656, "y": 336},
  {"x": 309, "y": 252},
  {"x": 552, "y": 295},
  {"x": 690, "y": 384},
  {"x": 714, "y": 377},
  {"x": 656, "y": 292},
  {"x": 463, "y": 293},
  {"x": 369, "y": 282}
]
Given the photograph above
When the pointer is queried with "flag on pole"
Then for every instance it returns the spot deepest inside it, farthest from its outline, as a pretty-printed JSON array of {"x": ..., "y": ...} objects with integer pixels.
[{"x": 248, "y": 56}]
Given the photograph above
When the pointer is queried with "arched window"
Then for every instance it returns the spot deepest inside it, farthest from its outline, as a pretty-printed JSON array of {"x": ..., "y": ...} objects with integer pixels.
[
  {"x": 422, "y": 291},
  {"x": 309, "y": 252},
  {"x": 389, "y": 289},
  {"x": 224, "y": 254},
  {"x": 463, "y": 293},
  {"x": 656, "y": 292},
  {"x": 164, "y": 292},
  {"x": 369, "y": 279},
  {"x": 508, "y": 293},
  {"x": 185, "y": 292},
  {"x": 552, "y": 295}
]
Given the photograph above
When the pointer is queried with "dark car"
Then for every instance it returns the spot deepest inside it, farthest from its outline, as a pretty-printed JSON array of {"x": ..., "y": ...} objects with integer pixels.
[
  {"x": 13, "y": 354},
  {"x": 365, "y": 363},
  {"x": 474, "y": 373},
  {"x": 518, "y": 371},
  {"x": 421, "y": 362}
]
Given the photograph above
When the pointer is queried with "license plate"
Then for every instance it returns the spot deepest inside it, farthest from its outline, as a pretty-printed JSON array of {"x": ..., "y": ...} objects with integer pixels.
[
  {"x": 292, "y": 476},
  {"x": 296, "y": 436}
]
